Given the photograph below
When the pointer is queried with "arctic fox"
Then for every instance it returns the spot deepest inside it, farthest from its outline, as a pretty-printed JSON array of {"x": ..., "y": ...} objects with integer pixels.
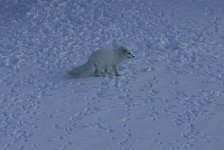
[{"x": 100, "y": 61}]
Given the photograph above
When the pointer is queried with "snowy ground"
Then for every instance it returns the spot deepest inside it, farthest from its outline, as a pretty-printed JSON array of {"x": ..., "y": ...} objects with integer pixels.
[{"x": 171, "y": 96}]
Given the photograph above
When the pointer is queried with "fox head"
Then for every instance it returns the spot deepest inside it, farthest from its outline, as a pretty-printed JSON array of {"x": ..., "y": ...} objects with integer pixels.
[{"x": 127, "y": 52}]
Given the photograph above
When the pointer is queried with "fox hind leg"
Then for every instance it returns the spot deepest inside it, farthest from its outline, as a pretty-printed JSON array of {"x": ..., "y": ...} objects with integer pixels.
[
  {"x": 100, "y": 72},
  {"x": 106, "y": 70}
]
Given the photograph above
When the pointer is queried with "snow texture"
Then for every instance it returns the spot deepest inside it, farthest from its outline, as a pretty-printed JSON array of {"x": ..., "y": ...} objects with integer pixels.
[{"x": 170, "y": 97}]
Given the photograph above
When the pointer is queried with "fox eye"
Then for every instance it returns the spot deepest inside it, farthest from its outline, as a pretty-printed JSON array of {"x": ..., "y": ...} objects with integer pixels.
[{"x": 129, "y": 53}]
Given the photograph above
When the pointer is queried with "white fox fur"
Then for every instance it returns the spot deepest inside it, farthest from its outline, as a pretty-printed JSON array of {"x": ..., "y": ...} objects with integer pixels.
[{"x": 100, "y": 61}]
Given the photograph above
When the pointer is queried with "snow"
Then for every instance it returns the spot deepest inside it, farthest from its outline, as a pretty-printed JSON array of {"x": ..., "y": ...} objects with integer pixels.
[{"x": 169, "y": 98}]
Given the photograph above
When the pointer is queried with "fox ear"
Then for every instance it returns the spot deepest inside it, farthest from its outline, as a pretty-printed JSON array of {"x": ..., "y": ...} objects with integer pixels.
[{"x": 124, "y": 49}]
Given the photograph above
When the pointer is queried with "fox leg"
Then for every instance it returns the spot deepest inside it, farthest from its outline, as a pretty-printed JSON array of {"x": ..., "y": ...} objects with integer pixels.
[
  {"x": 99, "y": 72},
  {"x": 115, "y": 70},
  {"x": 106, "y": 70}
]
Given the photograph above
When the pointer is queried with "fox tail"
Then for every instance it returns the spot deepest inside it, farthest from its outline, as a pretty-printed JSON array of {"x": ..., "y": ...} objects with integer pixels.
[{"x": 82, "y": 71}]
